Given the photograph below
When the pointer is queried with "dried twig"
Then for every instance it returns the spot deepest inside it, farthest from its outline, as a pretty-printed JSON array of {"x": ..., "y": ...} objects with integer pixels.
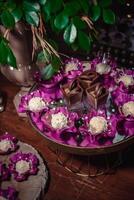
[
  {"x": 6, "y": 34},
  {"x": 90, "y": 24},
  {"x": 38, "y": 40}
]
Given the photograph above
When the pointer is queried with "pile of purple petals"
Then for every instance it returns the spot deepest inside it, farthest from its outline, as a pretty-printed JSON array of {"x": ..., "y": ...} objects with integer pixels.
[
  {"x": 13, "y": 141},
  {"x": 28, "y": 157},
  {"x": 10, "y": 193},
  {"x": 77, "y": 134}
]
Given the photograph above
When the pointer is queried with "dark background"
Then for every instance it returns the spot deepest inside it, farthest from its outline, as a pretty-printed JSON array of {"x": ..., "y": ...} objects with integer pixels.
[{"x": 118, "y": 39}]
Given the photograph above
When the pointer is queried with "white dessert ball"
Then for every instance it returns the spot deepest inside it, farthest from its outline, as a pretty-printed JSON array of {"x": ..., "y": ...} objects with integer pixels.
[
  {"x": 102, "y": 68},
  {"x": 59, "y": 120},
  {"x": 22, "y": 166},
  {"x": 71, "y": 66},
  {"x": 5, "y": 145},
  {"x": 97, "y": 125},
  {"x": 127, "y": 80},
  {"x": 36, "y": 104},
  {"x": 128, "y": 108}
]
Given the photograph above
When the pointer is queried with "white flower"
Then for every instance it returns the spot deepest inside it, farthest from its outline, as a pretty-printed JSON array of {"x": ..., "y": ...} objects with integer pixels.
[
  {"x": 22, "y": 166},
  {"x": 59, "y": 120},
  {"x": 102, "y": 68},
  {"x": 128, "y": 108},
  {"x": 5, "y": 145},
  {"x": 127, "y": 80},
  {"x": 36, "y": 104},
  {"x": 97, "y": 125}
]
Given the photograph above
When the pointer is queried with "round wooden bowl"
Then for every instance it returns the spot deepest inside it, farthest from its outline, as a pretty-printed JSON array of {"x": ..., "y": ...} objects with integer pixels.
[{"x": 117, "y": 146}]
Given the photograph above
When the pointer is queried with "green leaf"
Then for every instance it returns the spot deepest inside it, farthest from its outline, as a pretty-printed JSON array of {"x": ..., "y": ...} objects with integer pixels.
[
  {"x": 105, "y": 3},
  {"x": 53, "y": 27},
  {"x": 96, "y": 12},
  {"x": 84, "y": 41},
  {"x": 11, "y": 60},
  {"x": 32, "y": 18},
  {"x": 56, "y": 5},
  {"x": 84, "y": 5},
  {"x": 56, "y": 63},
  {"x": 31, "y": 6},
  {"x": 74, "y": 46},
  {"x": 71, "y": 8},
  {"x": 52, "y": 6},
  {"x": 70, "y": 34},
  {"x": 6, "y": 55},
  {"x": 10, "y": 6},
  {"x": 79, "y": 23},
  {"x": 53, "y": 44},
  {"x": 42, "y": 2},
  {"x": 17, "y": 13},
  {"x": 43, "y": 57},
  {"x": 47, "y": 72},
  {"x": 61, "y": 21},
  {"x": 108, "y": 16},
  {"x": 3, "y": 52},
  {"x": 46, "y": 12},
  {"x": 7, "y": 19}
]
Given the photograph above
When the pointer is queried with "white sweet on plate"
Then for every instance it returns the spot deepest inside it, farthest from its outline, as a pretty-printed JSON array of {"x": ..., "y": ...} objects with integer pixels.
[
  {"x": 22, "y": 166},
  {"x": 36, "y": 104},
  {"x": 97, "y": 125},
  {"x": 127, "y": 80},
  {"x": 5, "y": 145},
  {"x": 128, "y": 108},
  {"x": 102, "y": 68},
  {"x": 71, "y": 66},
  {"x": 59, "y": 120}
]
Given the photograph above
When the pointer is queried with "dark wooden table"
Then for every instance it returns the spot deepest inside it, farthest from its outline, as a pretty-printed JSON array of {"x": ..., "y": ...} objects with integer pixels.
[{"x": 64, "y": 184}]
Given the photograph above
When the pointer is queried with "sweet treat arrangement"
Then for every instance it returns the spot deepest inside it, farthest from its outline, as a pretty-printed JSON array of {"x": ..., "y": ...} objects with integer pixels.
[
  {"x": 20, "y": 166},
  {"x": 84, "y": 106}
]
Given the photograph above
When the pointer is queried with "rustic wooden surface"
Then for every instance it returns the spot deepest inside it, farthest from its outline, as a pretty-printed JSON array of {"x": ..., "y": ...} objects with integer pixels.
[{"x": 64, "y": 184}]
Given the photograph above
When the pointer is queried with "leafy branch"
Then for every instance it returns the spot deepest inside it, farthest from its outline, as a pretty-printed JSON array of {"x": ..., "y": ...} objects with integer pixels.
[{"x": 74, "y": 20}]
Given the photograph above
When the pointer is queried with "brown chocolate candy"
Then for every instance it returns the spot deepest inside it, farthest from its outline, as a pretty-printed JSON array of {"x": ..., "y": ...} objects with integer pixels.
[
  {"x": 73, "y": 92},
  {"x": 96, "y": 95},
  {"x": 88, "y": 78},
  {"x": 86, "y": 88}
]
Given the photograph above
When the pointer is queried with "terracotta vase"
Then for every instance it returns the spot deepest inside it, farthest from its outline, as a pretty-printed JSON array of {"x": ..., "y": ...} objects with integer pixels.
[{"x": 20, "y": 41}]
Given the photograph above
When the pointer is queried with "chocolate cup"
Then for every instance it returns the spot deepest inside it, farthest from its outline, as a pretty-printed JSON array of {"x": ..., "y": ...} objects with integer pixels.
[
  {"x": 75, "y": 96},
  {"x": 86, "y": 87},
  {"x": 88, "y": 78},
  {"x": 72, "y": 93},
  {"x": 96, "y": 95}
]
